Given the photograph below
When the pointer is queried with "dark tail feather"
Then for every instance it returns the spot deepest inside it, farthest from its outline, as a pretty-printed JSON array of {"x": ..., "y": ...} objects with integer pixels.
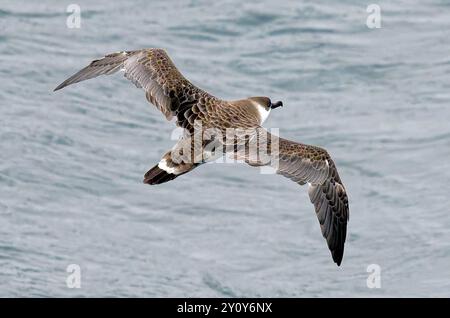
[{"x": 157, "y": 176}]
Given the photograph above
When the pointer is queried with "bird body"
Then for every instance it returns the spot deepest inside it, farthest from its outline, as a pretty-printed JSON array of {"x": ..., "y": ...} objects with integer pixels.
[{"x": 201, "y": 113}]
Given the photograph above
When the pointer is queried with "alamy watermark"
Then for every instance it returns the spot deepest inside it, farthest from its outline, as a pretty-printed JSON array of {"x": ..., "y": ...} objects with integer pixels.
[
  {"x": 373, "y": 20},
  {"x": 73, "y": 280},
  {"x": 255, "y": 146},
  {"x": 73, "y": 21},
  {"x": 374, "y": 278}
]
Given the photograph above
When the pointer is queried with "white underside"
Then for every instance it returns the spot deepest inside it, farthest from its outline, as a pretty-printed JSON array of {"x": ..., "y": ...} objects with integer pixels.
[
  {"x": 263, "y": 113},
  {"x": 163, "y": 165}
]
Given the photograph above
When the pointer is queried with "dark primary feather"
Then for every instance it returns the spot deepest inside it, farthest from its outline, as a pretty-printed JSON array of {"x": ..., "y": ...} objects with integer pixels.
[
  {"x": 164, "y": 85},
  {"x": 331, "y": 205}
]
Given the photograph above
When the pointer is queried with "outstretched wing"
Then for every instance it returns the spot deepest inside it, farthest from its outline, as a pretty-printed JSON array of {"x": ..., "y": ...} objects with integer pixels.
[
  {"x": 164, "y": 85},
  {"x": 331, "y": 204},
  {"x": 313, "y": 165}
]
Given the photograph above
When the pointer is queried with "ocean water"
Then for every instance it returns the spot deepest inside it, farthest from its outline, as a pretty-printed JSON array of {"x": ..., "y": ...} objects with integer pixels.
[{"x": 72, "y": 162}]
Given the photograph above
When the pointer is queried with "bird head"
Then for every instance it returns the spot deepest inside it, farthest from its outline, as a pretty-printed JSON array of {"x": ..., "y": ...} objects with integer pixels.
[{"x": 266, "y": 102}]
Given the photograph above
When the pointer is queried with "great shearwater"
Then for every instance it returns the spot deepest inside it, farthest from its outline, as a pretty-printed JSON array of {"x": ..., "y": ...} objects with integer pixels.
[{"x": 175, "y": 96}]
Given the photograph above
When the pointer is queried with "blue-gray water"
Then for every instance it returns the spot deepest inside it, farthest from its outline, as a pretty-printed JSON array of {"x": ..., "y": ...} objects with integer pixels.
[{"x": 72, "y": 162}]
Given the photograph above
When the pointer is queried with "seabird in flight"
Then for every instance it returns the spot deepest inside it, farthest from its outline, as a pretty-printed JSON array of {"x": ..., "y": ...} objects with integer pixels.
[{"x": 166, "y": 88}]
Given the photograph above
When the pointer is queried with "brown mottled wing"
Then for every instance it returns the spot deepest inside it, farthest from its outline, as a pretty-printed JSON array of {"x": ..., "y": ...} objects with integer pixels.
[
  {"x": 313, "y": 165},
  {"x": 331, "y": 204},
  {"x": 164, "y": 85}
]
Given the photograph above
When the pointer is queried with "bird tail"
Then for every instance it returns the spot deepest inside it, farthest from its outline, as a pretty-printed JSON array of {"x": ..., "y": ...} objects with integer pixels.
[
  {"x": 156, "y": 175},
  {"x": 167, "y": 170}
]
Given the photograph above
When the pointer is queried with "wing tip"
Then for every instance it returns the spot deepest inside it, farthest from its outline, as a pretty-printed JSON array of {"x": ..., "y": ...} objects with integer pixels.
[
  {"x": 67, "y": 82},
  {"x": 60, "y": 86},
  {"x": 338, "y": 255}
]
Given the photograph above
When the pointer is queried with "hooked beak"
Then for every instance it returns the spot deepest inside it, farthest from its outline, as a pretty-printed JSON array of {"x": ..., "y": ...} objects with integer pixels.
[{"x": 275, "y": 105}]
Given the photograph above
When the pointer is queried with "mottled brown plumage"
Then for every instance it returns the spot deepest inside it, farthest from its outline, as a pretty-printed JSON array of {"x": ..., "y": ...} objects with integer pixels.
[{"x": 176, "y": 97}]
